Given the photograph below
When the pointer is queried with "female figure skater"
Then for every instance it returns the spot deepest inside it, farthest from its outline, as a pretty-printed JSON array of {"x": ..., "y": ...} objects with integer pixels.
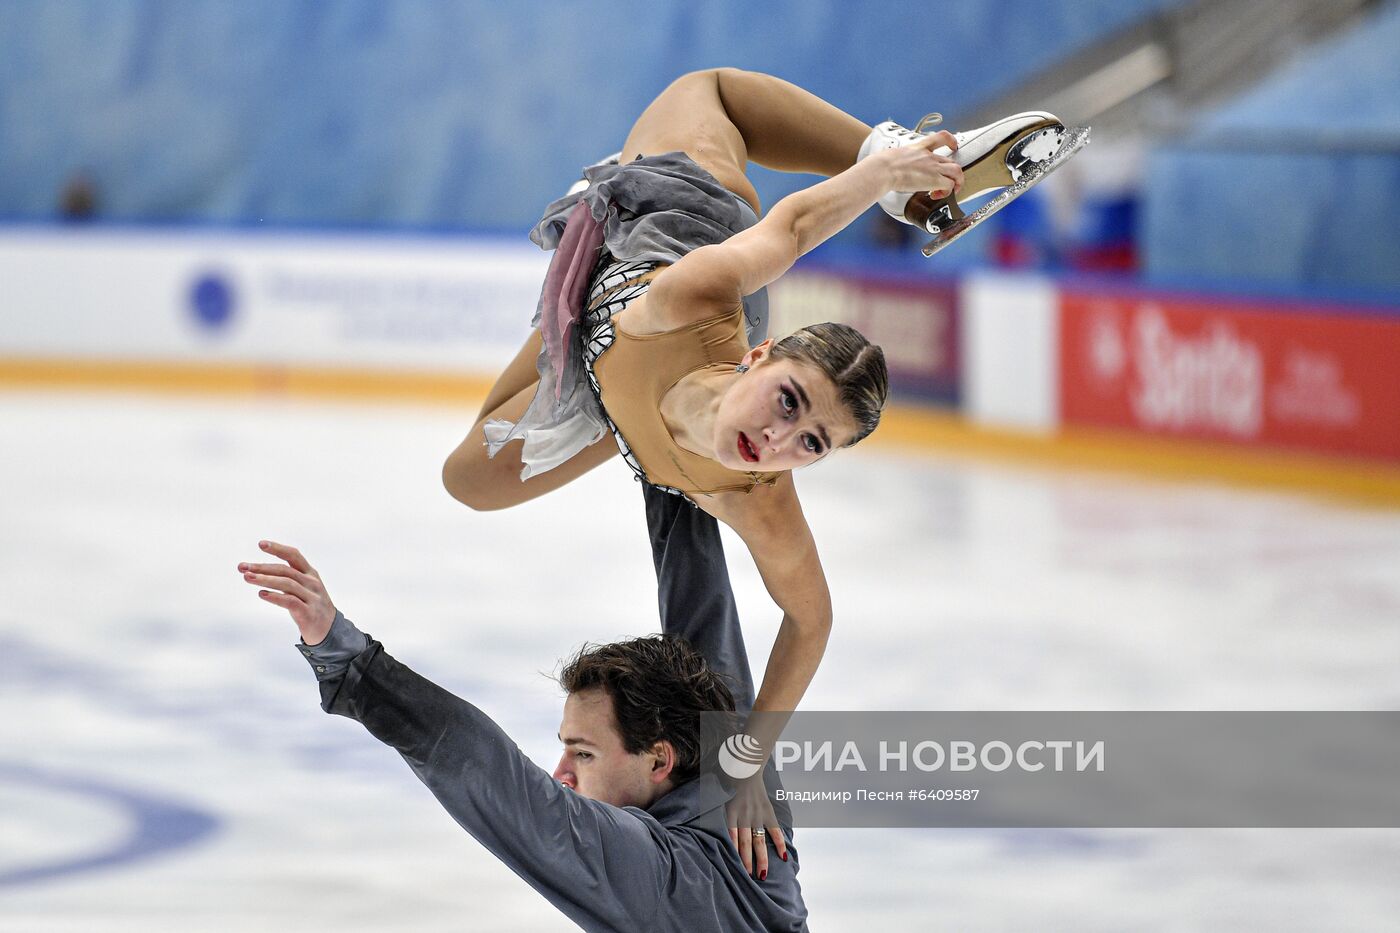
[{"x": 644, "y": 311}]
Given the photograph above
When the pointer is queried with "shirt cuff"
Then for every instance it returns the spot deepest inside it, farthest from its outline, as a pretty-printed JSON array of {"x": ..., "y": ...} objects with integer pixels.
[{"x": 342, "y": 644}]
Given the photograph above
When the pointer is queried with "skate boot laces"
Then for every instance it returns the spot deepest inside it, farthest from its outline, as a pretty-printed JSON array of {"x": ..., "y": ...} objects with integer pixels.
[{"x": 929, "y": 119}]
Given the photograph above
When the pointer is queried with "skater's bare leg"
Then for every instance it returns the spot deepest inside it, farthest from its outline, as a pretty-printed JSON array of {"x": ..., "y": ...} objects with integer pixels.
[
  {"x": 522, "y": 372},
  {"x": 787, "y": 128},
  {"x": 489, "y": 483},
  {"x": 724, "y": 118}
]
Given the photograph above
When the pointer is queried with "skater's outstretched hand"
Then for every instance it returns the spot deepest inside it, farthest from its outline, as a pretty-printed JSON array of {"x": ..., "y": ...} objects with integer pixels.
[
  {"x": 916, "y": 167},
  {"x": 296, "y": 587}
]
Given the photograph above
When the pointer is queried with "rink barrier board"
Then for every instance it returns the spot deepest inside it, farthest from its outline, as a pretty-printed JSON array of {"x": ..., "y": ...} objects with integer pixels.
[
  {"x": 905, "y": 426},
  {"x": 424, "y": 320},
  {"x": 916, "y": 323},
  {"x": 1320, "y": 379},
  {"x": 302, "y": 300}
]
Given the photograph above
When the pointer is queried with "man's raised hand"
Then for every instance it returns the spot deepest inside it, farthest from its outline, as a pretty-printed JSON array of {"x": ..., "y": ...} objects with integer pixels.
[{"x": 296, "y": 587}]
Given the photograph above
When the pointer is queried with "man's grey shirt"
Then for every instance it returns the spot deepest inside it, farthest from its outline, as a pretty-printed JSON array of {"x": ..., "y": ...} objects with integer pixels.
[{"x": 668, "y": 867}]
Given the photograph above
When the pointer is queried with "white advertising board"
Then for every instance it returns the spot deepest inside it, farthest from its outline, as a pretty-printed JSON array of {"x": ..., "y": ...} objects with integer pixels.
[
  {"x": 460, "y": 304},
  {"x": 1011, "y": 351}
]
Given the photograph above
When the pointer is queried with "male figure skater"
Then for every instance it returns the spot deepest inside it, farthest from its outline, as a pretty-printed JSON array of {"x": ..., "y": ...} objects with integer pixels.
[{"x": 626, "y": 834}]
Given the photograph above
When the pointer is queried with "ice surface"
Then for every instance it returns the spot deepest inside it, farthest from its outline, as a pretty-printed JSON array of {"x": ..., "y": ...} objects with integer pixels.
[{"x": 143, "y": 680}]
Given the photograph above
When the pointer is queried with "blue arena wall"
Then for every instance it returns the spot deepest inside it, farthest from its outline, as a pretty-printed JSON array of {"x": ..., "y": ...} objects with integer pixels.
[
  {"x": 462, "y": 115},
  {"x": 1295, "y": 183}
]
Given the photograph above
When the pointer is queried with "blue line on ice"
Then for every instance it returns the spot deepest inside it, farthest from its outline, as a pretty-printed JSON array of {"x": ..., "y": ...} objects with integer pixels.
[{"x": 159, "y": 826}]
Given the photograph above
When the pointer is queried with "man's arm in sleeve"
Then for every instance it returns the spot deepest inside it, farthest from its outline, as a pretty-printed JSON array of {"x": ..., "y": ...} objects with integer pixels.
[
  {"x": 697, "y": 602},
  {"x": 597, "y": 863},
  {"x": 693, "y": 590}
]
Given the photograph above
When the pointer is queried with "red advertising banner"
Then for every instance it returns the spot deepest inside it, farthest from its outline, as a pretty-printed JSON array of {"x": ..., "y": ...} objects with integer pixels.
[
  {"x": 915, "y": 323},
  {"x": 1318, "y": 379}
]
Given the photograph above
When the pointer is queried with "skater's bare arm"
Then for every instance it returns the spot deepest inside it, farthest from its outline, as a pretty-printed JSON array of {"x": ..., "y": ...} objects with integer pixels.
[
  {"x": 770, "y": 521},
  {"x": 712, "y": 279},
  {"x": 596, "y": 863}
]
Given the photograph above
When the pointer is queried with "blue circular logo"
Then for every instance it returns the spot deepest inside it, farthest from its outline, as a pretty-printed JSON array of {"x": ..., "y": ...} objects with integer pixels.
[{"x": 212, "y": 301}]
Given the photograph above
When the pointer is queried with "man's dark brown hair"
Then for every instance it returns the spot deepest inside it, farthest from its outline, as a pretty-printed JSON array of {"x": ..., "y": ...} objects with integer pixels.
[{"x": 659, "y": 686}]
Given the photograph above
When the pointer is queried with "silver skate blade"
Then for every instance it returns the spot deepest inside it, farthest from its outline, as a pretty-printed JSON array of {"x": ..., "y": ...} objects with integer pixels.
[{"x": 1075, "y": 138}]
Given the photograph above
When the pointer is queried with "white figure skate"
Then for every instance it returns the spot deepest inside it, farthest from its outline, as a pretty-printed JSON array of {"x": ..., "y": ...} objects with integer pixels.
[{"x": 1008, "y": 157}]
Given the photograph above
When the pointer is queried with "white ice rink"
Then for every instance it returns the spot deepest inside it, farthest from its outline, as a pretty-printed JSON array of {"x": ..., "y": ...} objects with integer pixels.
[{"x": 164, "y": 765}]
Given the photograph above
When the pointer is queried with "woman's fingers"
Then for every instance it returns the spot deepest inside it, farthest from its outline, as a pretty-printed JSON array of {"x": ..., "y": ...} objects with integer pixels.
[
  {"x": 746, "y": 848},
  {"x": 953, "y": 172},
  {"x": 775, "y": 834},
  {"x": 918, "y": 169},
  {"x": 755, "y": 824},
  {"x": 949, "y": 178},
  {"x": 941, "y": 138}
]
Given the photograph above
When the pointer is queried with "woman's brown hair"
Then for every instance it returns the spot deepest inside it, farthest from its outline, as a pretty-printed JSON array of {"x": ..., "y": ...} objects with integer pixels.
[{"x": 854, "y": 364}]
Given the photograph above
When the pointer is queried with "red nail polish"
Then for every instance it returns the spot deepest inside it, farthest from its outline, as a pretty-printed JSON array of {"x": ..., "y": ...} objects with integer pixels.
[
  {"x": 784, "y": 856},
  {"x": 763, "y": 875}
]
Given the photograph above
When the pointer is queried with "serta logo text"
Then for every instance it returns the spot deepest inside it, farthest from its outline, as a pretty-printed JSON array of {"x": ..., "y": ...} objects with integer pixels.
[{"x": 1214, "y": 381}]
